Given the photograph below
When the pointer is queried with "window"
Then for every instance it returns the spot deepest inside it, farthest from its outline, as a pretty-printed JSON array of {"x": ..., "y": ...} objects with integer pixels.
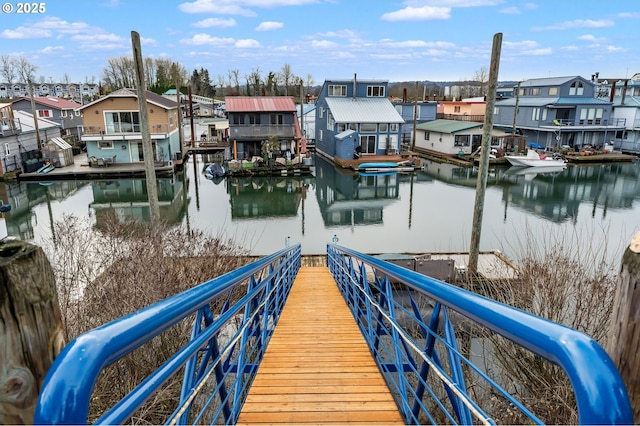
[
  {"x": 576, "y": 89},
  {"x": 375, "y": 91},
  {"x": 461, "y": 140},
  {"x": 105, "y": 144},
  {"x": 330, "y": 121},
  {"x": 522, "y": 92},
  {"x": 427, "y": 135},
  {"x": 368, "y": 127},
  {"x": 496, "y": 110},
  {"x": 539, "y": 114},
  {"x": 393, "y": 127},
  {"x": 254, "y": 118},
  {"x": 342, "y": 127},
  {"x": 44, "y": 113},
  {"x": 553, "y": 91},
  {"x": 320, "y": 112},
  {"x": 456, "y": 108},
  {"x": 7, "y": 150},
  {"x": 337, "y": 90},
  {"x": 122, "y": 121},
  {"x": 277, "y": 119},
  {"x": 535, "y": 91},
  {"x": 383, "y": 127}
]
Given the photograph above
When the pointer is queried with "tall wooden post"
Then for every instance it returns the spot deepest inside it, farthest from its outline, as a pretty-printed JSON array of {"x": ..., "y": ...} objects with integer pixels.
[
  {"x": 31, "y": 334},
  {"x": 147, "y": 147},
  {"x": 624, "y": 335},
  {"x": 415, "y": 119},
  {"x": 483, "y": 170}
]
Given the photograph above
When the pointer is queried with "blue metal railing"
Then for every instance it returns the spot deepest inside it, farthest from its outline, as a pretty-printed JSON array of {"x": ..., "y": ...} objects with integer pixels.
[
  {"x": 235, "y": 315},
  {"x": 423, "y": 333}
]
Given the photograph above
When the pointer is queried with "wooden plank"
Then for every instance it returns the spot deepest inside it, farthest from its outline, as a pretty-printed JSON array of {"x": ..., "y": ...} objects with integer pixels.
[{"x": 317, "y": 367}]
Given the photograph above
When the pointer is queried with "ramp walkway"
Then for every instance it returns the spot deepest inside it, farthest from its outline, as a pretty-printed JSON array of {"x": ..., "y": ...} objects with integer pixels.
[{"x": 317, "y": 367}]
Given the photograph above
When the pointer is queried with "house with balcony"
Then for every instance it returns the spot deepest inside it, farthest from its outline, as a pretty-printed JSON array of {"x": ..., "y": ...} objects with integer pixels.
[
  {"x": 560, "y": 113},
  {"x": 111, "y": 128},
  {"x": 62, "y": 111},
  {"x": 354, "y": 118},
  {"x": 625, "y": 96},
  {"x": 424, "y": 111},
  {"x": 253, "y": 120}
]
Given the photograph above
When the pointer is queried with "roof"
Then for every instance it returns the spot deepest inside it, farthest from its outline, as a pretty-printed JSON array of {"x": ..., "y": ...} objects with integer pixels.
[
  {"x": 27, "y": 122},
  {"x": 530, "y": 101},
  {"x": 53, "y": 102},
  {"x": 448, "y": 126},
  {"x": 152, "y": 98},
  {"x": 342, "y": 135},
  {"x": 363, "y": 110},
  {"x": 551, "y": 81},
  {"x": 629, "y": 101},
  {"x": 61, "y": 143},
  {"x": 260, "y": 103}
]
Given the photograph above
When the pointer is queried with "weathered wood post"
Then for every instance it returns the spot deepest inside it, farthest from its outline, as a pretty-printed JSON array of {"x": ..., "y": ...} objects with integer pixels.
[
  {"x": 624, "y": 340},
  {"x": 31, "y": 334}
]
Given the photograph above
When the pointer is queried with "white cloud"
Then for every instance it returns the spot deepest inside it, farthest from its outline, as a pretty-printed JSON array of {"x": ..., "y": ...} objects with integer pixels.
[
  {"x": 206, "y": 39},
  {"x": 340, "y": 34},
  {"x": 538, "y": 52},
  {"x": 513, "y": 10},
  {"x": 578, "y": 23},
  {"x": 217, "y": 7},
  {"x": 269, "y": 26},
  {"x": 323, "y": 44},
  {"x": 247, "y": 43},
  {"x": 418, "y": 14},
  {"x": 52, "y": 49},
  {"x": 215, "y": 23}
]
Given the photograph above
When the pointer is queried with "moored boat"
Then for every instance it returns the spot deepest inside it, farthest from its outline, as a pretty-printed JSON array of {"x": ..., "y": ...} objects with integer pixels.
[{"x": 533, "y": 159}]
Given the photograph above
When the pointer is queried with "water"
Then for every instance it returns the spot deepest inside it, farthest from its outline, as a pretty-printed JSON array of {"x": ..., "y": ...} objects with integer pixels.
[{"x": 428, "y": 211}]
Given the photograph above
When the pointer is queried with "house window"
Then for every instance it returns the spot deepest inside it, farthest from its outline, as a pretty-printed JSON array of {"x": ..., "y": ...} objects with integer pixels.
[
  {"x": 368, "y": 127},
  {"x": 538, "y": 114},
  {"x": 238, "y": 118},
  {"x": 461, "y": 140},
  {"x": 375, "y": 91},
  {"x": 393, "y": 127},
  {"x": 535, "y": 91},
  {"x": 254, "y": 119},
  {"x": 7, "y": 150},
  {"x": 277, "y": 119},
  {"x": 320, "y": 135},
  {"x": 383, "y": 127},
  {"x": 553, "y": 91},
  {"x": 44, "y": 113},
  {"x": 576, "y": 89},
  {"x": 522, "y": 92},
  {"x": 330, "y": 121},
  {"x": 496, "y": 110},
  {"x": 427, "y": 135},
  {"x": 105, "y": 144},
  {"x": 320, "y": 112},
  {"x": 122, "y": 121},
  {"x": 456, "y": 108},
  {"x": 337, "y": 90},
  {"x": 342, "y": 127}
]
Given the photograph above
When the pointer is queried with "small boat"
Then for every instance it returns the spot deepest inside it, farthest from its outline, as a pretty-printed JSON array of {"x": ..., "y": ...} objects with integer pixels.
[
  {"x": 4, "y": 207},
  {"x": 213, "y": 171},
  {"x": 47, "y": 169},
  {"x": 533, "y": 159},
  {"x": 378, "y": 165}
]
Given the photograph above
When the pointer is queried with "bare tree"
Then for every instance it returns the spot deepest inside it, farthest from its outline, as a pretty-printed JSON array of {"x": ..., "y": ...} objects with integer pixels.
[
  {"x": 482, "y": 75},
  {"x": 287, "y": 77},
  {"x": 8, "y": 70},
  {"x": 255, "y": 80},
  {"x": 309, "y": 82},
  {"x": 234, "y": 79}
]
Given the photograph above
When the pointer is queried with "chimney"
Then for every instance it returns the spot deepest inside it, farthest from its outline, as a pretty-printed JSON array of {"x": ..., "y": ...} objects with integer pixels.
[
  {"x": 613, "y": 91},
  {"x": 354, "y": 85},
  {"x": 404, "y": 94}
]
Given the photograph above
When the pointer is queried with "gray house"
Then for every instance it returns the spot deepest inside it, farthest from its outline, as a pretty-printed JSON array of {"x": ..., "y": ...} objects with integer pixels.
[
  {"x": 360, "y": 106},
  {"x": 64, "y": 112},
  {"x": 560, "y": 112},
  {"x": 424, "y": 112}
]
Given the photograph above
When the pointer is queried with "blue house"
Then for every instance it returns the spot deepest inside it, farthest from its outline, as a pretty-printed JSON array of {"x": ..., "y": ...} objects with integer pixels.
[
  {"x": 560, "y": 112},
  {"x": 424, "y": 112},
  {"x": 354, "y": 118}
]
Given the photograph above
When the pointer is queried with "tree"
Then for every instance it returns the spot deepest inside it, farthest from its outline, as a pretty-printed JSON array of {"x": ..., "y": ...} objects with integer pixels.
[
  {"x": 234, "y": 79},
  {"x": 8, "y": 70},
  {"x": 254, "y": 79},
  {"x": 310, "y": 82},
  {"x": 482, "y": 76},
  {"x": 287, "y": 77}
]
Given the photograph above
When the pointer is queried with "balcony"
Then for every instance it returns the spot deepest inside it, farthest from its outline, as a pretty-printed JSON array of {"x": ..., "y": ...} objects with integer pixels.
[
  {"x": 123, "y": 131},
  {"x": 261, "y": 131},
  {"x": 613, "y": 122}
]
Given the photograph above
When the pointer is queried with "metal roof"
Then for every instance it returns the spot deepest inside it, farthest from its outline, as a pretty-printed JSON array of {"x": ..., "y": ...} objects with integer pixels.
[
  {"x": 152, "y": 98},
  {"x": 260, "y": 103},
  {"x": 551, "y": 81},
  {"x": 547, "y": 101},
  {"x": 448, "y": 126},
  {"x": 345, "y": 134},
  {"x": 363, "y": 110},
  {"x": 61, "y": 143},
  {"x": 53, "y": 102}
]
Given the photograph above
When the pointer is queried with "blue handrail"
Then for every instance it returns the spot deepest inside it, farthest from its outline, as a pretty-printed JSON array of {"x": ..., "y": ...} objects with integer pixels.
[
  {"x": 391, "y": 303},
  {"x": 221, "y": 356}
]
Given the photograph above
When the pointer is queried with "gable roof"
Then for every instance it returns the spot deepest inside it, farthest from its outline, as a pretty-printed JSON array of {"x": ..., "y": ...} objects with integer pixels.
[
  {"x": 152, "y": 98},
  {"x": 260, "y": 104},
  {"x": 448, "y": 126},
  {"x": 27, "y": 122},
  {"x": 551, "y": 81},
  {"x": 51, "y": 102},
  {"x": 363, "y": 110}
]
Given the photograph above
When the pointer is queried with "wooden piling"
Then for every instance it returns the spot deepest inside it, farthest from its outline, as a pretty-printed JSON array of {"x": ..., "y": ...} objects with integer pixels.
[
  {"x": 624, "y": 336},
  {"x": 31, "y": 333}
]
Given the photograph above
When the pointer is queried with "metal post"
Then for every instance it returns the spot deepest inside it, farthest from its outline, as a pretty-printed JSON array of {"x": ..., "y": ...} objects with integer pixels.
[
  {"x": 147, "y": 147},
  {"x": 483, "y": 172}
]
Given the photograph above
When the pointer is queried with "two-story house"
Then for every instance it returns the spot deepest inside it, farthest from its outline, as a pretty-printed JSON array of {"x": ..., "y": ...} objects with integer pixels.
[
  {"x": 423, "y": 111},
  {"x": 20, "y": 144},
  {"x": 255, "y": 119},
  {"x": 354, "y": 118},
  {"x": 560, "y": 112},
  {"x": 111, "y": 127},
  {"x": 625, "y": 95},
  {"x": 62, "y": 111}
]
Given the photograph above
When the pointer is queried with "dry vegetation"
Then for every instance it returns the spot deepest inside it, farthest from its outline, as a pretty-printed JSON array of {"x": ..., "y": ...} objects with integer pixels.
[{"x": 103, "y": 275}]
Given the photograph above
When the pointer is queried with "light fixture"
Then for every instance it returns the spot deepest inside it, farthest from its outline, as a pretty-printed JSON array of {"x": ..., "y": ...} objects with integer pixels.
[{"x": 97, "y": 112}]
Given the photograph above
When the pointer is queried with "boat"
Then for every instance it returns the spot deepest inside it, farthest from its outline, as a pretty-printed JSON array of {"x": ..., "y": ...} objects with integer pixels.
[
  {"x": 386, "y": 167},
  {"x": 377, "y": 165},
  {"x": 213, "y": 171},
  {"x": 533, "y": 159}
]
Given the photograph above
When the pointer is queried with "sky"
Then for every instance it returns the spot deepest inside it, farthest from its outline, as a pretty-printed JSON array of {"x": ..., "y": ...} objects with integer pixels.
[{"x": 410, "y": 40}]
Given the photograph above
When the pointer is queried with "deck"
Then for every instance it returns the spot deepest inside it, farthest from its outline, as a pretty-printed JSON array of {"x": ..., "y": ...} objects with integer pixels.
[{"x": 317, "y": 367}]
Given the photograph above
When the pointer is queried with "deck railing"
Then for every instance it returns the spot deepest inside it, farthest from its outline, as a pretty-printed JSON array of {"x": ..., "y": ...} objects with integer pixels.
[
  {"x": 233, "y": 317},
  {"x": 432, "y": 341}
]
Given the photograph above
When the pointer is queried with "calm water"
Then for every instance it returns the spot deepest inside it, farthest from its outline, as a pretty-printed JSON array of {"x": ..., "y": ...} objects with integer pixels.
[{"x": 428, "y": 211}]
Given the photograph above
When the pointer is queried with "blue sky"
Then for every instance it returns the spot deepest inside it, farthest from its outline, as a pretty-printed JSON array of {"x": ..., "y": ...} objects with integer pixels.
[{"x": 438, "y": 40}]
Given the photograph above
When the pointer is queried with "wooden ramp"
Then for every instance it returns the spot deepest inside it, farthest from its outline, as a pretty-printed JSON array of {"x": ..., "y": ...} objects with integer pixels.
[{"x": 317, "y": 367}]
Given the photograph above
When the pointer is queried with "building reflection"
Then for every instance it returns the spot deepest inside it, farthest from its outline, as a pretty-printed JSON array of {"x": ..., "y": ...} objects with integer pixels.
[
  {"x": 266, "y": 196},
  {"x": 127, "y": 199},
  {"x": 346, "y": 198}
]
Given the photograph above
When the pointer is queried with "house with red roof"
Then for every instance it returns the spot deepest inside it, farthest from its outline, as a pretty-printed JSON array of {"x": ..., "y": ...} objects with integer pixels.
[
  {"x": 61, "y": 111},
  {"x": 254, "y": 119}
]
